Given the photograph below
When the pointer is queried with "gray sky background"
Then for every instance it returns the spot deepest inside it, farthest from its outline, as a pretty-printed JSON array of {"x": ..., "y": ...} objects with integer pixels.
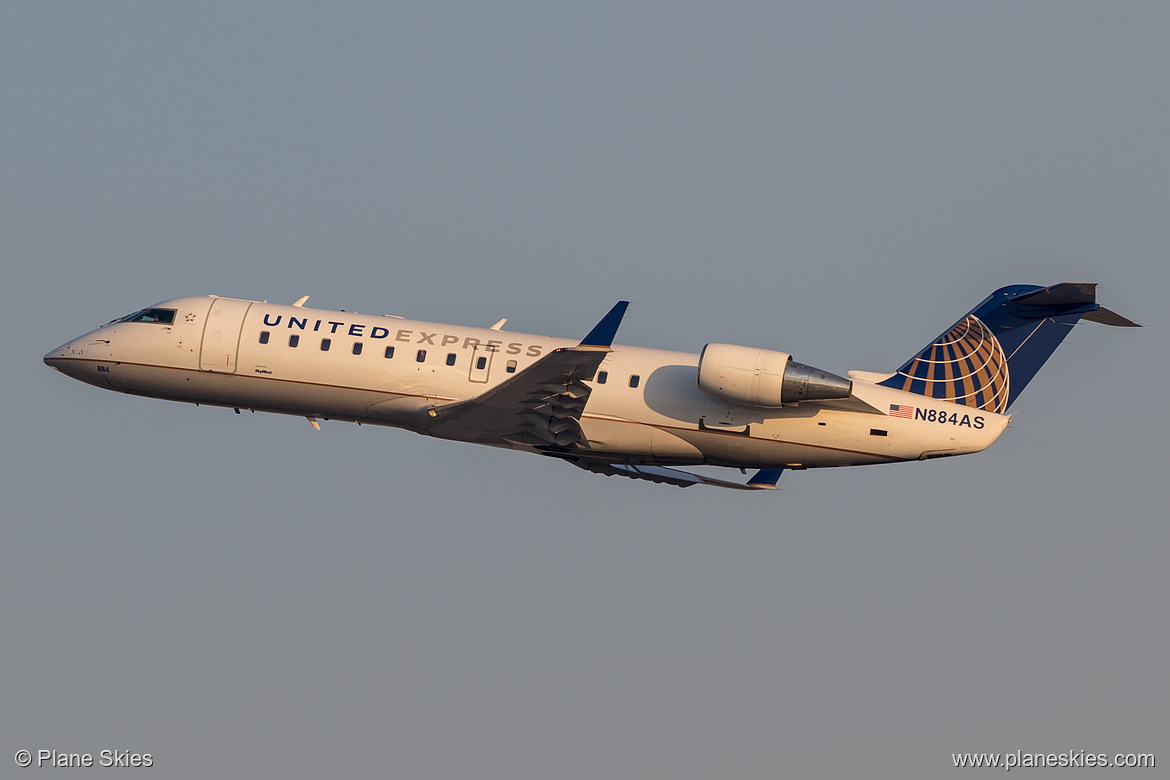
[{"x": 241, "y": 596}]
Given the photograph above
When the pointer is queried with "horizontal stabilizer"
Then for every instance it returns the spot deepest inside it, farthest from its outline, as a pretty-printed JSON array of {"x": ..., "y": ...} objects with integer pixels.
[
  {"x": 1063, "y": 294},
  {"x": 1106, "y": 317}
]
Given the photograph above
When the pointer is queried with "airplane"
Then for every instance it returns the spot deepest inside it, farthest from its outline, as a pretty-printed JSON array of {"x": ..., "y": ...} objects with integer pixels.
[{"x": 609, "y": 409}]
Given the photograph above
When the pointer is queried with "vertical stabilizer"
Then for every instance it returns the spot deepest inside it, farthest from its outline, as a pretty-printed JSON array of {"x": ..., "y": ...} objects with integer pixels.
[{"x": 986, "y": 358}]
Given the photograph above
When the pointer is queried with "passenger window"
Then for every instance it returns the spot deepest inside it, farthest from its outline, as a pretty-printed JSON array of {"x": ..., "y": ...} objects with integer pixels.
[
  {"x": 451, "y": 358},
  {"x": 389, "y": 352},
  {"x": 634, "y": 380},
  {"x": 602, "y": 376},
  {"x": 481, "y": 364},
  {"x": 511, "y": 367},
  {"x": 263, "y": 337},
  {"x": 357, "y": 348},
  {"x": 325, "y": 345},
  {"x": 293, "y": 340},
  {"x": 421, "y": 356}
]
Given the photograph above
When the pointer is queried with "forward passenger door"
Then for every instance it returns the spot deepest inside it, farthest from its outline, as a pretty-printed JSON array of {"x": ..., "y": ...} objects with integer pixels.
[{"x": 221, "y": 335}]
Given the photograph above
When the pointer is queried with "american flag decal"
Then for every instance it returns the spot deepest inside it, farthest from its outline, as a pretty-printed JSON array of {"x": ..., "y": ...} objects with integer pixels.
[{"x": 901, "y": 410}]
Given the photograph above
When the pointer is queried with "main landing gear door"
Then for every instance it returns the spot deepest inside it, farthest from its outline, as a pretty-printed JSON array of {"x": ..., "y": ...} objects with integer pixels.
[{"x": 221, "y": 335}]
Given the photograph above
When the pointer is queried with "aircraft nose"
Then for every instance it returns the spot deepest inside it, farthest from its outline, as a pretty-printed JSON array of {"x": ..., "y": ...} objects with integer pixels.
[
  {"x": 54, "y": 357},
  {"x": 65, "y": 357}
]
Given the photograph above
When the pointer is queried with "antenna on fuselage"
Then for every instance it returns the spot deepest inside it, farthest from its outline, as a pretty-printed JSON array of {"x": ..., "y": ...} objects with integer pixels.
[{"x": 301, "y": 301}]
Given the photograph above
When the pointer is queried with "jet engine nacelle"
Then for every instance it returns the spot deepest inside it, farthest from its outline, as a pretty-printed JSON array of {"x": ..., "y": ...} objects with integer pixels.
[{"x": 761, "y": 377}]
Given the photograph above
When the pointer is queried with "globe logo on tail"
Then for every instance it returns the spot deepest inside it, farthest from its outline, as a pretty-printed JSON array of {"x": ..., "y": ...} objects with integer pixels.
[{"x": 966, "y": 365}]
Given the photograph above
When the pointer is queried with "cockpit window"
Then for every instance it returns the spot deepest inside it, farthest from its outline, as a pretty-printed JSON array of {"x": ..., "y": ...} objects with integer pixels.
[{"x": 160, "y": 316}]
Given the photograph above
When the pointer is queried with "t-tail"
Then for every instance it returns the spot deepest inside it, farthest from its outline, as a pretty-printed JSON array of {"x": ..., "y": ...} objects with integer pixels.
[{"x": 986, "y": 358}]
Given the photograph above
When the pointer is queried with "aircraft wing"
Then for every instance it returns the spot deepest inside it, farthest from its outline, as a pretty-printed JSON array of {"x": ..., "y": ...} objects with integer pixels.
[
  {"x": 764, "y": 479},
  {"x": 541, "y": 406}
]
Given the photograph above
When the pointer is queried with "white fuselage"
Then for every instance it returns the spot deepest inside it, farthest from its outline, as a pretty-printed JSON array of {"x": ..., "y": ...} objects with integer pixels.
[{"x": 645, "y": 406}]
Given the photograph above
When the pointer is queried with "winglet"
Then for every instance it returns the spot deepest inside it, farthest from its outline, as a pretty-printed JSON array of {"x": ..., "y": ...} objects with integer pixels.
[
  {"x": 604, "y": 331},
  {"x": 766, "y": 479}
]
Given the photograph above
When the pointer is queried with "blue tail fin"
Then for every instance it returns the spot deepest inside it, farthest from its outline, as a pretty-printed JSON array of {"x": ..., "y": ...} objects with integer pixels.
[{"x": 991, "y": 354}]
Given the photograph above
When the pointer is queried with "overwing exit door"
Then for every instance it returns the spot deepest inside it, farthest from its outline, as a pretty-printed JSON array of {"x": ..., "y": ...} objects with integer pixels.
[{"x": 481, "y": 362}]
